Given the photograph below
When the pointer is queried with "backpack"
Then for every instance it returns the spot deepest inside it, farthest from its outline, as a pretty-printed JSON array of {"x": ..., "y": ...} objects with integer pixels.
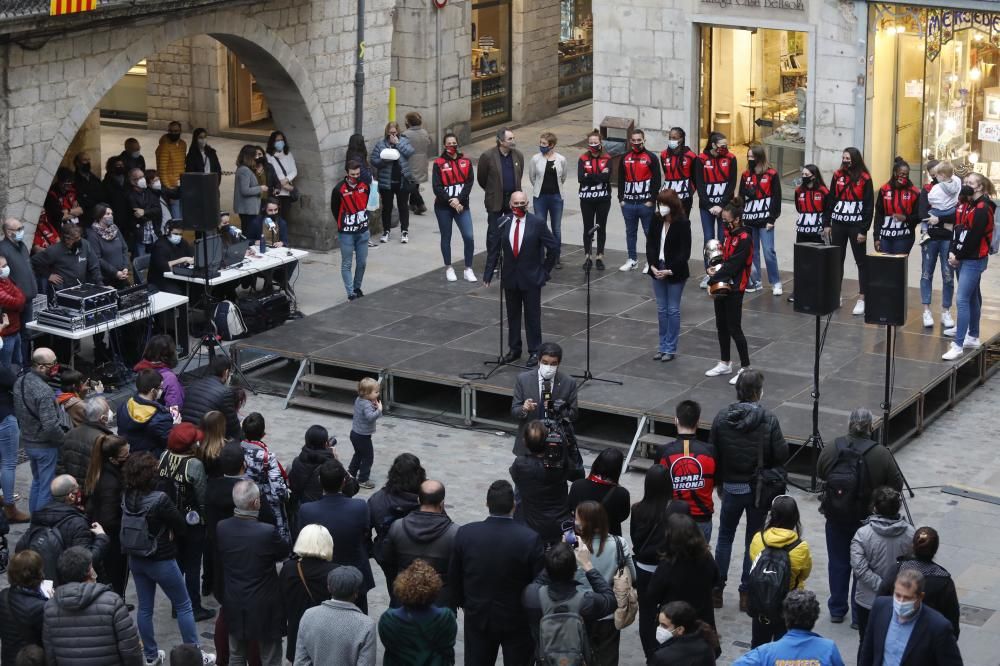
[
  {"x": 396, "y": 511},
  {"x": 562, "y": 635},
  {"x": 770, "y": 579},
  {"x": 135, "y": 536},
  {"x": 625, "y": 592},
  {"x": 177, "y": 487},
  {"x": 47, "y": 541},
  {"x": 228, "y": 321},
  {"x": 844, "y": 492}
]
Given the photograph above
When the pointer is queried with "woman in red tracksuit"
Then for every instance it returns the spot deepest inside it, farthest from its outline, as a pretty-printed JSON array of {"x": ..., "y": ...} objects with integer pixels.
[
  {"x": 715, "y": 176},
  {"x": 593, "y": 171},
  {"x": 896, "y": 212},
  {"x": 452, "y": 178},
  {"x": 851, "y": 205},
  {"x": 677, "y": 163},
  {"x": 737, "y": 262},
  {"x": 760, "y": 187}
]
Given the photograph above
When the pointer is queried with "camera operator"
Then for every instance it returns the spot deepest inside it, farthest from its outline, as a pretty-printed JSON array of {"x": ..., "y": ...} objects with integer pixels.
[
  {"x": 540, "y": 482},
  {"x": 545, "y": 394}
]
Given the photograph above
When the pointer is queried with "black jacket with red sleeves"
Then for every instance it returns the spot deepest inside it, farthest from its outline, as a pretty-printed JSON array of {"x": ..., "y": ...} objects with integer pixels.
[
  {"x": 973, "y": 229},
  {"x": 852, "y": 201},
  {"x": 594, "y": 176},
  {"x": 895, "y": 200},
  {"x": 761, "y": 196},
  {"x": 639, "y": 177},
  {"x": 349, "y": 204},
  {"x": 678, "y": 171},
  {"x": 811, "y": 209},
  {"x": 715, "y": 178},
  {"x": 452, "y": 178},
  {"x": 737, "y": 255}
]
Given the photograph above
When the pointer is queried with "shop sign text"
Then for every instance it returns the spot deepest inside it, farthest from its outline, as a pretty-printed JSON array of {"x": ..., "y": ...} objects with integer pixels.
[
  {"x": 794, "y": 5},
  {"x": 943, "y": 24}
]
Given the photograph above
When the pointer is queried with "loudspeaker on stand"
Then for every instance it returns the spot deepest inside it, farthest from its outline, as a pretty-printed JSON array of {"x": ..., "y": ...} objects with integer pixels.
[{"x": 885, "y": 291}]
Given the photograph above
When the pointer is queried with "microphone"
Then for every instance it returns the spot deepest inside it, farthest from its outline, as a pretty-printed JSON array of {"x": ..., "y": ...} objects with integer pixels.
[{"x": 502, "y": 221}]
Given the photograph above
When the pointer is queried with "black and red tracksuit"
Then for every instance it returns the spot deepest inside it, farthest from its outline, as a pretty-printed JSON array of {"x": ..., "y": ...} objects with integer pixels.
[
  {"x": 737, "y": 255},
  {"x": 690, "y": 465},
  {"x": 639, "y": 177},
  {"x": 715, "y": 179},
  {"x": 892, "y": 200},
  {"x": 761, "y": 197},
  {"x": 349, "y": 203},
  {"x": 452, "y": 178},
  {"x": 974, "y": 230},
  {"x": 852, "y": 201},
  {"x": 594, "y": 175},
  {"x": 811, "y": 213},
  {"x": 678, "y": 174}
]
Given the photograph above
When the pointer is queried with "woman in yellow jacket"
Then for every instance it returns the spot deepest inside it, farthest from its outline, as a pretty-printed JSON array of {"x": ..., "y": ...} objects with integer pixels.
[{"x": 783, "y": 531}]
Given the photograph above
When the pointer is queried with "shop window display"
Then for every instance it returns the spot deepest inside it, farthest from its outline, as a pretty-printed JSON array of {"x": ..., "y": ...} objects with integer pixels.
[
  {"x": 576, "y": 51},
  {"x": 490, "y": 63}
]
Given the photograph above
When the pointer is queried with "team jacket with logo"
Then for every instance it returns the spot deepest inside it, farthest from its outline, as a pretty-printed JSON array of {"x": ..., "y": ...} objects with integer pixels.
[
  {"x": 690, "y": 466},
  {"x": 973, "y": 229},
  {"x": 639, "y": 177},
  {"x": 852, "y": 201},
  {"x": 896, "y": 201},
  {"x": 811, "y": 206},
  {"x": 715, "y": 178},
  {"x": 594, "y": 174},
  {"x": 737, "y": 256},
  {"x": 348, "y": 205},
  {"x": 452, "y": 178},
  {"x": 678, "y": 171},
  {"x": 762, "y": 197}
]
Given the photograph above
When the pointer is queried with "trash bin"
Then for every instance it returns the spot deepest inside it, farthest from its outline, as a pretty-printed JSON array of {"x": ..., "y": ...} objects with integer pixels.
[
  {"x": 724, "y": 124},
  {"x": 615, "y": 133}
]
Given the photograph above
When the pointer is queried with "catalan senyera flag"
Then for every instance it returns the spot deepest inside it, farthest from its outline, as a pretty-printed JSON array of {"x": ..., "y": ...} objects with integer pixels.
[{"x": 59, "y": 7}]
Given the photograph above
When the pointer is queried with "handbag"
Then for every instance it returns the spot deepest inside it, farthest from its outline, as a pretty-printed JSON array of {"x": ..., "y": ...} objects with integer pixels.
[
  {"x": 294, "y": 194},
  {"x": 625, "y": 592},
  {"x": 767, "y": 482},
  {"x": 374, "y": 200}
]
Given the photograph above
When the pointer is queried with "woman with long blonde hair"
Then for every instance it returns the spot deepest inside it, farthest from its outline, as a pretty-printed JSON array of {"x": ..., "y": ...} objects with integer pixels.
[{"x": 213, "y": 424}]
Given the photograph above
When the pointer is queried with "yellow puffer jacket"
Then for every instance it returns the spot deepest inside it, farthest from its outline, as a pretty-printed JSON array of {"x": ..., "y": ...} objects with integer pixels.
[
  {"x": 799, "y": 557},
  {"x": 170, "y": 156}
]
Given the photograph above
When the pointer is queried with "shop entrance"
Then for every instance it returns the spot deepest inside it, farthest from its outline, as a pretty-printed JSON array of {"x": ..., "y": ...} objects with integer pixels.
[
  {"x": 576, "y": 51},
  {"x": 490, "y": 63},
  {"x": 753, "y": 89}
]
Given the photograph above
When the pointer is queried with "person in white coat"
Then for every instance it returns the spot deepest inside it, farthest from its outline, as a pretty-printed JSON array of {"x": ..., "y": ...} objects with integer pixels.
[
  {"x": 547, "y": 173},
  {"x": 280, "y": 157}
]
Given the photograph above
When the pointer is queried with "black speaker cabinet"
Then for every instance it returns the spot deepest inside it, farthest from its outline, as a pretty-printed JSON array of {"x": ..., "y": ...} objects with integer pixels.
[
  {"x": 200, "y": 200},
  {"x": 885, "y": 289},
  {"x": 818, "y": 272}
]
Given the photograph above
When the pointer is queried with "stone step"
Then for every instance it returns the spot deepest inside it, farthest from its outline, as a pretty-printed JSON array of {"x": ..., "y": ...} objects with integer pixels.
[
  {"x": 330, "y": 382},
  {"x": 322, "y": 404}
]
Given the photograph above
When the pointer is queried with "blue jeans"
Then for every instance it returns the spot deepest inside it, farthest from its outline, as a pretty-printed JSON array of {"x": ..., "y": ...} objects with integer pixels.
[
  {"x": 175, "y": 211},
  {"x": 635, "y": 214},
  {"x": 970, "y": 298},
  {"x": 445, "y": 216},
  {"x": 732, "y": 510},
  {"x": 711, "y": 227},
  {"x": 764, "y": 238},
  {"x": 10, "y": 436},
  {"x": 899, "y": 245},
  {"x": 11, "y": 352},
  {"x": 551, "y": 205},
  {"x": 43, "y": 470},
  {"x": 839, "y": 572},
  {"x": 706, "y": 529},
  {"x": 932, "y": 252},
  {"x": 147, "y": 574},
  {"x": 353, "y": 244},
  {"x": 668, "y": 313}
]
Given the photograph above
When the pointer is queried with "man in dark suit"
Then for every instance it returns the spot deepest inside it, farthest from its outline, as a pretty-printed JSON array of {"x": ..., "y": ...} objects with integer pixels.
[
  {"x": 903, "y": 630},
  {"x": 532, "y": 386},
  {"x": 529, "y": 253},
  {"x": 348, "y": 521},
  {"x": 491, "y": 563}
]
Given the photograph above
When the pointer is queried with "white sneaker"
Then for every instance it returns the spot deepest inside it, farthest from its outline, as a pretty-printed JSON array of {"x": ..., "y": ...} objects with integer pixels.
[
  {"x": 928, "y": 319},
  {"x": 754, "y": 286},
  {"x": 645, "y": 267},
  {"x": 953, "y": 352},
  {"x": 450, "y": 274},
  {"x": 404, "y": 237},
  {"x": 776, "y": 289},
  {"x": 971, "y": 343},
  {"x": 160, "y": 656},
  {"x": 704, "y": 283},
  {"x": 469, "y": 275},
  {"x": 737, "y": 377},
  {"x": 948, "y": 332},
  {"x": 207, "y": 658},
  {"x": 859, "y": 308},
  {"x": 720, "y": 369},
  {"x": 629, "y": 265},
  {"x": 385, "y": 237},
  {"x": 946, "y": 319}
]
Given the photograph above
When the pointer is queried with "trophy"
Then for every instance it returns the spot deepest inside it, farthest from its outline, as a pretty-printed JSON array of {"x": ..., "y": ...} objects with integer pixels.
[{"x": 713, "y": 257}]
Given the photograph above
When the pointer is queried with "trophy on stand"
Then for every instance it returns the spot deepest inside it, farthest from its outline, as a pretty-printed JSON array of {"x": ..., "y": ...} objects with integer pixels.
[{"x": 713, "y": 257}]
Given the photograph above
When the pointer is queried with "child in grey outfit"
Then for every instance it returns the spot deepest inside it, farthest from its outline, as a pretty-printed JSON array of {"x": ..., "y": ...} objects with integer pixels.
[{"x": 367, "y": 410}]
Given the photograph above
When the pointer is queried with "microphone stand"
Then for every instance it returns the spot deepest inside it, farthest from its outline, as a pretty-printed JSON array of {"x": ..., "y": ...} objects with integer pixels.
[
  {"x": 587, "y": 374},
  {"x": 890, "y": 379}
]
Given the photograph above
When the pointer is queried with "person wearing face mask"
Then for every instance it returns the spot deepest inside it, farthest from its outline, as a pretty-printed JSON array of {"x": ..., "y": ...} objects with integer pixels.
[
  {"x": 75, "y": 454},
  {"x": 142, "y": 419},
  {"x": 144, "y": 223},
  {"x": 169, "y": 250},
  {"x": 735, "y": 269},
  {"x": 593, "y": 171},
  {"x": 851, "y": 206},
  {"x": 682, "y": 638},
  {"x": 678, "y": 163},
  {"x": 896, "y": 212},
  {"x": 109, "y": 247},
  {"x": 811, "y": 210},
  {"x": 451, "y": 181},
  {"x": 89, "y": 188},
  {"x": 547, "y": 173},
  {"x": 69, "y": 262},
  {"x": 760, "y": 187},
  {"x": 163, "y": 196},
  {"x": 15, "y": 252},
  {"x": 132, "y": 155},
  {"x": 247, "y": 190},
  {"x": 668, "y": 249},
  {"x": 638, "y": 183},
  {"x": 103, "y": 487},
  {"x": 171, "y": 154},
  {"x": 280, "y": 157},
  {"x": 201, "y": 157},
  {"x": 533, "y": 386},
  {"x": 500, "y": 171},
  {"x": 969, "y": 255},
  {"x": 905, "y": 630},
  {"x": 715, "y": 175},
  {"x": 60, "y": 206},
  {"x": 348, "y": 203},
  {"x": 394, "y": 178},
  {"x": 529, "y": 253},
  {"x": 12, "y": 306}
]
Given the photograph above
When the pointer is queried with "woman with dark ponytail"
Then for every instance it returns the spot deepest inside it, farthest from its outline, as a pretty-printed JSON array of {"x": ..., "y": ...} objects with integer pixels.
[
  {"x": 737, "y": 263},
  {"x": 896, "y": 211},
  {"x": 850, "y": 214},
  {"x": 683, "y": 638},
  {"x": 103, "y": 488}
]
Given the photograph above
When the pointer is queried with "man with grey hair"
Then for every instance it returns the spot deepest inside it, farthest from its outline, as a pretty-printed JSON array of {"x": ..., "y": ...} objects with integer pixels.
[
  {"x": 246, "y": 554},
  {"x": 799, "y": 645},
  {"x": 74, "y": 457},
  {"x": 15, "y": 251},
  {"x": 850, "y": 469},
  {"x": 336, "y": 631}
]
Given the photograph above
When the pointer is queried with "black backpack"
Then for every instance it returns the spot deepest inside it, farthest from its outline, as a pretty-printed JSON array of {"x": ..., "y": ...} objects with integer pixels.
[
  {"x": 770, "y": 578},
  {"x": 135, "y": 536},
  {"x": 47, "y": 541},
  {"x": 844, "y": 492}
]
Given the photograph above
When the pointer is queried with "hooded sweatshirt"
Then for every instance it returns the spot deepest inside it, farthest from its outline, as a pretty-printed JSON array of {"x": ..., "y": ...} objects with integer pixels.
[
  {"x": 426, "y": 535},
  {"x": 799, "y": 557},
  {"x": 87, "y": 624},
  {"x": 173, "y": 392},
  {"x": 145, "y": 424},
  {"x": 874, "y": 550},
  {"x": 418, "y": 637},
  {"x": 737, "y": 432}
]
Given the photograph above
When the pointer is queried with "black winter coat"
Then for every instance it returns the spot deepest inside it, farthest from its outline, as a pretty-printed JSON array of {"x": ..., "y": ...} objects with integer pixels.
[
  {"x": 303, "y": 477},
  {"x": 195, "y": 163},
  {"x": 690, "y": 650},
  {"x": 74, "y": 456},
  {"x": 297, "y": 598},
  {"x": 73, "y": 527},
  {"x": 737, "y": 432},
  {"x": 207, "y": 394},
  {"x": 420, "y": 535},
  {"x": 104, "y": 504},
  {"x": 149, "y": 202},
  {"x": 87, "y": 624},
  {"x": 544, "y": 495},
  {"x": 21, "y": 613},
  {"x": 247, "y": 551},
  {"x": 384, "y": 508}
]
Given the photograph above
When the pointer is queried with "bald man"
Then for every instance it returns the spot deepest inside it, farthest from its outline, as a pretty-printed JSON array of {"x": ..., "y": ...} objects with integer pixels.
[
  {"x": 427, "y": 533},
  {"x": 16, "y": 252},
  {"x": 42, "y": 425}
]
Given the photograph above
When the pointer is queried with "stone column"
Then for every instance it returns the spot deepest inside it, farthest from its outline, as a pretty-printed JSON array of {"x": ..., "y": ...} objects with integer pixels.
[
  {"x": 209, "y": 104},
  {"x": 534, "y": 59},
  {"x": 168, "y": 86}
]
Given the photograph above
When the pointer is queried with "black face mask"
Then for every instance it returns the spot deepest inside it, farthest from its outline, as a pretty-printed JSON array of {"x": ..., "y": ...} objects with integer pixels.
[
  {"x": 174, "y": 136},
  {"x": 966, "y": 193},
  {"x": 807, "y": 180},
  {"x": 85, "y": 167},
  {"x": 845, "y": 166},
  {"x": 119, "y": 170}
]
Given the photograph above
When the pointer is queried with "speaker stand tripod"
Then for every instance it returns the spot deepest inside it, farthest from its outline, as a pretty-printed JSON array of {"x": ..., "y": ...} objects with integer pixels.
[
  {"x": 890, "y": 379},
  {"x": 815, "y": 440}
]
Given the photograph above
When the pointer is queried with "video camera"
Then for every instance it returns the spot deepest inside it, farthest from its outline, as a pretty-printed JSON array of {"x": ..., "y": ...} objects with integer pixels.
[{"x": 561, "y": 449}]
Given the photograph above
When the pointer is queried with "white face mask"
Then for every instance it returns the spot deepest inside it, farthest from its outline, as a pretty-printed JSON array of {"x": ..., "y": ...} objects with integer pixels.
[
  {"x": 664, "y": 211},
  {"x": 663, "y": 634},
  {"x": 547, "y": 372},
  {"x": 175, "y": 239},
  {"x": 19, "y": 235},
  {"x": 673, "y": 144},
  {"x": 156, "y": 185},
  {"x": 5, "y": 272},
  {"x": 141, "y": 183}
]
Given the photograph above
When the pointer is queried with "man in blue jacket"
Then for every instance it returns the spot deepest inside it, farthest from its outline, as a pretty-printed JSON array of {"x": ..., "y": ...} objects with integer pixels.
[
  {"x": 799, "y": 645},
  {"x": 142, "y": 420}
]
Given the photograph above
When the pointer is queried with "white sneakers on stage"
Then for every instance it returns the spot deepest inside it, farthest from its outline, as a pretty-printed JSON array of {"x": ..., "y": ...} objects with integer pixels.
[{"x": 720, "y": 369}]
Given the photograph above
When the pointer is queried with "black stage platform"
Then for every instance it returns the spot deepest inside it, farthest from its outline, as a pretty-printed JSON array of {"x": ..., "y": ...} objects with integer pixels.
[{"x": 422, "y": 334}]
